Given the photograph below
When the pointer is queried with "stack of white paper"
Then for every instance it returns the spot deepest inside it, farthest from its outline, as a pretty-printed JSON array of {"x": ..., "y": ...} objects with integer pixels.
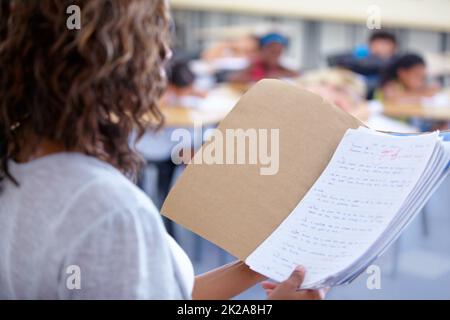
[{"x": 373, "y": 186}]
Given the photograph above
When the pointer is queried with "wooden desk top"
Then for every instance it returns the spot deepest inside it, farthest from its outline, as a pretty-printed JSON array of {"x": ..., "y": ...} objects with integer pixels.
[
  {"x": 212, "y": 110},
  {"x": 417, "y": 111},
  {"x": 175, "y": 116}
]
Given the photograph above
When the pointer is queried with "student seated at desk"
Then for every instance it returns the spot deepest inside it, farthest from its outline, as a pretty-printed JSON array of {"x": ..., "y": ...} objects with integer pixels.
[
  {"x": 267, "y": 63},
  {"x": 72, "y": 225},
  {"x": 342, "y": 87},
  {"x": 180, "y": 90},
  {"x": 404, "y": 81},
  {"x": 240, "y": 47},
  {"x": 370, "y": 59},
  {"x": 382, "y": 45}
]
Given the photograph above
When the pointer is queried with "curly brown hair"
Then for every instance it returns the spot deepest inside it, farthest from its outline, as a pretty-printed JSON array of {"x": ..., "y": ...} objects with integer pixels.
[{"x": 86, "y": 89}]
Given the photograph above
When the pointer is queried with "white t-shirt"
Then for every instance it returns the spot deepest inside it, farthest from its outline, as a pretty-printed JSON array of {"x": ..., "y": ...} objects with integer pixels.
[{"x": 76, "y": 228}]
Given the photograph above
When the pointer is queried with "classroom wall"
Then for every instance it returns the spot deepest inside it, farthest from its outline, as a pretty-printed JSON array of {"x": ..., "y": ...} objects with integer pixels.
[
  {"x": 420, "y": 14},
  {"x": 311, "y": 41}
]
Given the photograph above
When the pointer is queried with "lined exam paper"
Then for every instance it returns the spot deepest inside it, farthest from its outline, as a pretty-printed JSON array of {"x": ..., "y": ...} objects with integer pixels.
[{"x": 359, "y": 193}]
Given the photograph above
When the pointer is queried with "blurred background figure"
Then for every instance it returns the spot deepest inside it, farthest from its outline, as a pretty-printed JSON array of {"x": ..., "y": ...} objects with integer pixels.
[
  {"x": 226, "y": 56},
  {"x": 181, "y": 90},
  {"x": 383, "y": 45},
  {"x": 343, "y": 88},
  {"x": 369, "y": 60},
  {"x": 267, "y": 63},
  {"x": 246, "y": 46},
  {"x": 405, "y": 80}
]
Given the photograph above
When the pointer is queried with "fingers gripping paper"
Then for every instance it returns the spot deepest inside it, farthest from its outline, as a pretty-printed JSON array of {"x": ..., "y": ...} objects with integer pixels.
[{"x": 236, "y": 207}]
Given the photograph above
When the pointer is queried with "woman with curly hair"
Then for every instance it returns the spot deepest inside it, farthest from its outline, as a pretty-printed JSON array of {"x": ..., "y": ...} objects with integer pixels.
[{"x": 72, "y": 225}]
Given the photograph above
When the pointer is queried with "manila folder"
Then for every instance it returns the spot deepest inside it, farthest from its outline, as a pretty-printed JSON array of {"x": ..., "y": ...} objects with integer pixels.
[{"x": 235, "y": 206}]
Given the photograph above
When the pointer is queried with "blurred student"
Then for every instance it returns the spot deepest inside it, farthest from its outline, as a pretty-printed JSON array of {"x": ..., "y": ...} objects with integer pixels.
[
  {"x": 267, "y": 63},
  {"x": 371, "y": 59},
  {"x": 71, "y": 224},
  {"x": 181, "y": 89},
  {"x": 404, "y": 81},
  {"x": 156, "y": 147},
  {"x": 341, "y": 87},
  {"x": 240, "y": 47},
  {"x": 382, "y": 45}
]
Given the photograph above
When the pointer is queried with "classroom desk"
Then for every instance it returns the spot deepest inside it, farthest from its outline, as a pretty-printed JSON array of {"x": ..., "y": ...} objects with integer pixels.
[
  {"x": 216, "y": 105},
  {"x": 417, "y": 111},
  {"x": 176, "y": 116}
]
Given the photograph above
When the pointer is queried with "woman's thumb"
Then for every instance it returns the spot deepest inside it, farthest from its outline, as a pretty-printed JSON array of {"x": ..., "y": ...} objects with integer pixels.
[{"x": 296, "y": 278}]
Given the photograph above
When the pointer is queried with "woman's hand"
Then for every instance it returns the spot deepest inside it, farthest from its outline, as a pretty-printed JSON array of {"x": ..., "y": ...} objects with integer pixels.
[{"x": 288, "y": 289}]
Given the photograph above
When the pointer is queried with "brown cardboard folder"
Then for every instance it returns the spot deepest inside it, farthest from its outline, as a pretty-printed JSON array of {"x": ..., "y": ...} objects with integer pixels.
[{"x": 236, "y": 207}]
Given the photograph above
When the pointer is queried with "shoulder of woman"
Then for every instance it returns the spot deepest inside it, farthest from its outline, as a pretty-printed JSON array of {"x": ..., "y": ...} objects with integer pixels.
[{"x": 108, "y": 194}]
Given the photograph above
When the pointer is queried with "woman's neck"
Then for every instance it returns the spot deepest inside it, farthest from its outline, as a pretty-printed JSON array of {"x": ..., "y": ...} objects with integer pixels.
[{"x": 43, "y": 148}]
